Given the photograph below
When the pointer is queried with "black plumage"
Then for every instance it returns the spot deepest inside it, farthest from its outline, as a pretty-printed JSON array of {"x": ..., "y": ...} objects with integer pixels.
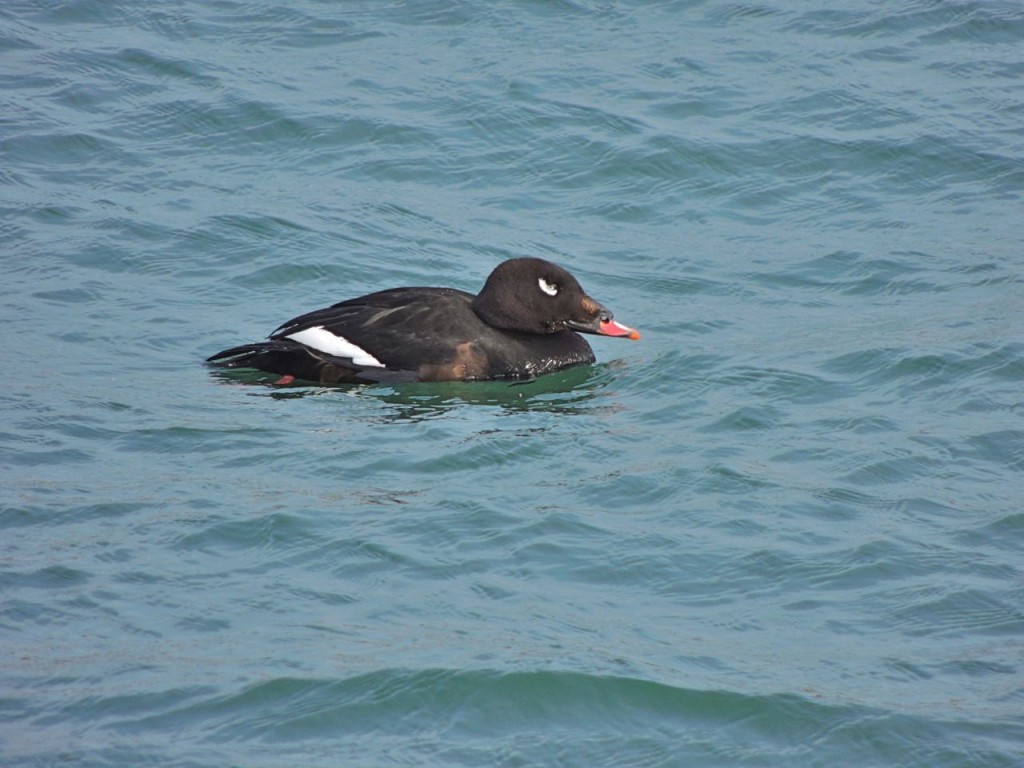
[{"x": 522, "y": 324}]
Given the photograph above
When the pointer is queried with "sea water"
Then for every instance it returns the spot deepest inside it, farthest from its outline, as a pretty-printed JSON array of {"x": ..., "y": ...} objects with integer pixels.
[{"x": 784, "y": 528}]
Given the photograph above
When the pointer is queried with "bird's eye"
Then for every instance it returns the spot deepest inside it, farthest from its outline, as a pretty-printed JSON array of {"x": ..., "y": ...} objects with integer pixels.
[{"x": 549, "y": 288}]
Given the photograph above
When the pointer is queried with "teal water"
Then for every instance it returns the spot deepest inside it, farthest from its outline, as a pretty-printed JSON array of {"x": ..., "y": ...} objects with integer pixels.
[{"x": 784, "y": 528}]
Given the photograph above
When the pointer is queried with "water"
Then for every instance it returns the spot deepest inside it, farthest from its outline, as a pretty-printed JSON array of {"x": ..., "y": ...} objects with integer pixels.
[{"x": 784, "y": 528}]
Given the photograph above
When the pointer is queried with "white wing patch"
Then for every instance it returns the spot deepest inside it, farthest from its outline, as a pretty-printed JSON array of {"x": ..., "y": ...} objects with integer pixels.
[{"x": 325, "y": 341}]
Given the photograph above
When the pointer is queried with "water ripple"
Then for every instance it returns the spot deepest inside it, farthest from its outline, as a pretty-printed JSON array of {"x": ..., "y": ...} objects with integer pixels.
[
  {"x": 781, "y": 529},
  {"x": 440, "y": 716}
]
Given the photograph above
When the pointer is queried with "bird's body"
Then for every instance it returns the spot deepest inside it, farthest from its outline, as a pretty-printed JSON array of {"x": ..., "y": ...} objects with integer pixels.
[{"x": 522, "y": 324}]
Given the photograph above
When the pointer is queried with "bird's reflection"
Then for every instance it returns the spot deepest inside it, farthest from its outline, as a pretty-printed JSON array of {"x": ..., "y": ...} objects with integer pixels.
[{"x": 570, "y": 391}]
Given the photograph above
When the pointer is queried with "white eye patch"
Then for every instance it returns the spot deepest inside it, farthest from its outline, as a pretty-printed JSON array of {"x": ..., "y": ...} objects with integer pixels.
[{"x": 549, "y": 288}]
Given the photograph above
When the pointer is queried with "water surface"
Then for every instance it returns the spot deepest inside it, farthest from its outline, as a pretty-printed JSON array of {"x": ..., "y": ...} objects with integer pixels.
[{"x": 782, "y": 529}]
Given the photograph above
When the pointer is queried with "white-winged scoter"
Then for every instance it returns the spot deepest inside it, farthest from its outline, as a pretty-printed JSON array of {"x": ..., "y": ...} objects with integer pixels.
[{"x": 521, "y": 325}]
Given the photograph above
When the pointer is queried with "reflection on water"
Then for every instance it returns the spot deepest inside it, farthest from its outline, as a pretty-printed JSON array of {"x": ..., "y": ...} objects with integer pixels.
[{"x": 570, "y": 391}]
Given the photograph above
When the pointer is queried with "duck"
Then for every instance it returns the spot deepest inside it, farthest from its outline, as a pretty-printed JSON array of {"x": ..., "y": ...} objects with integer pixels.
[{"x": 525, "y": 322}]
